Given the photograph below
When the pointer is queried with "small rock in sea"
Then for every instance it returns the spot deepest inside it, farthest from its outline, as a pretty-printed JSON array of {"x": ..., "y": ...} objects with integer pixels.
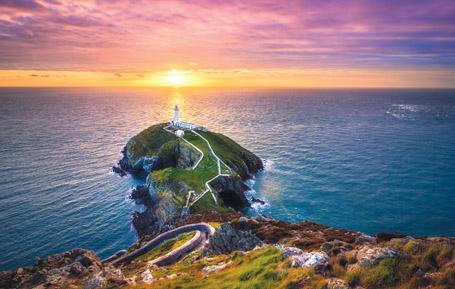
[
  {"x": 139, "y": 192},
  {"x": 255, "y": 200},
  {"x": 118, "y": 171}
]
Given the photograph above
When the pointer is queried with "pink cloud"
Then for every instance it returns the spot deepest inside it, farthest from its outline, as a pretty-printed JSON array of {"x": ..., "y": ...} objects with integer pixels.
[{"x": 143, "y": 35}]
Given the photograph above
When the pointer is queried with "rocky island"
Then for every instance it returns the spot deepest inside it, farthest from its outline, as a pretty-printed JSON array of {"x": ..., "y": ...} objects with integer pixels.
[
  {"x": 193, "y": 234},
  {"x": 182, "y": 174}
]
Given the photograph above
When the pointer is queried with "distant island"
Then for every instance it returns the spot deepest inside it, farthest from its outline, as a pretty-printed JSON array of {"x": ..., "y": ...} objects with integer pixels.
[{"x": 193, "y": 234}]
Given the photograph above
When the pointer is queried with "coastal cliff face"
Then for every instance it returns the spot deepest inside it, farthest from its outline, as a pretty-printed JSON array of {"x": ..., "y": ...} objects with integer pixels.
[
  {"x": 166, "y": 163},
  {"x": 261, "y": 253}
]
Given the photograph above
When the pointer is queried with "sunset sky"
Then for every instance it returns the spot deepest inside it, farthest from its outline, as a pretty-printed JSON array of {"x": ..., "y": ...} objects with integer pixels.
[{"x": 228, "y": 43}]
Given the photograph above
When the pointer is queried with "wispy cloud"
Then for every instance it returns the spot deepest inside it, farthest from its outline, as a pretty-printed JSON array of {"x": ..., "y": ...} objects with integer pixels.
[{"x": 143, "y": 35}]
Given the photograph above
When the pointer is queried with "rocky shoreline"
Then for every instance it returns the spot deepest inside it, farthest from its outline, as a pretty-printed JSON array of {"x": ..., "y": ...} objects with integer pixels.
[{"x": 338, "y": 258}]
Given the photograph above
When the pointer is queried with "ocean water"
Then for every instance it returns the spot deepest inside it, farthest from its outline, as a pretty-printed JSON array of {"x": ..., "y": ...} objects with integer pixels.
[{"x": 366, "y": 160}]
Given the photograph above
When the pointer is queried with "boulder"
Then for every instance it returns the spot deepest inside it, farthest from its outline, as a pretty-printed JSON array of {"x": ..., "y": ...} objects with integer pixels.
[
  {"x": 84, "y": 260},
  {"x": 77, "y": 269},
  {"x": 335, "y": 283},
  {"x": 114, "y": 275},
  {"x": 369, "y": 256},
  {"x": 118, "y": 171},
  {"x": 335, "y": 247},
  {"x": 227, "y": 239},
  {"x": 147, "y": 277},
  {"x": 364, "y": 238},
  {"x": 215, "y": 268},
  {"x": 97, "y": 281},
  {"x": 243, "y": 219},
  {"x": 317, "y": 260}
]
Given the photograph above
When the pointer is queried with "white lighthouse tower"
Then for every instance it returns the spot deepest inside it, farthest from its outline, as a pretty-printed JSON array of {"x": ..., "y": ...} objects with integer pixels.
[
  {"x": 175, "y": 120},
  {"x": 182, "y": 125}
]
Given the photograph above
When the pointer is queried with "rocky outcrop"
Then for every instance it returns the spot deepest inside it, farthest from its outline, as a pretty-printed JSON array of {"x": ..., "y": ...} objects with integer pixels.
[
  {"x": 155, "y": 149},
  {"x": 172, "y": 154},
  {"x": 141, "y": 195},
  {"x": 227, "y": 239},
  {"x": 335, "y": 247},
  {"x": 253, "y": 164},
  {"x": 369, "y": 256},
  {"x": 336, "y": 283},
  {"x": 232, "y": 191},
  {"x": 215, "y": 268},
  {"x": 186, "y": 155},
  {"x": 316, "y": 260},
  {"x": 56, "y": 271},
  {"x": 304, "y": 235}
]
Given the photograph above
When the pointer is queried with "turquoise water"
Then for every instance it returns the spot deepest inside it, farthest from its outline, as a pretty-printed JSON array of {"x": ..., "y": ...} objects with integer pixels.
[{"x": 368, "y": 160}]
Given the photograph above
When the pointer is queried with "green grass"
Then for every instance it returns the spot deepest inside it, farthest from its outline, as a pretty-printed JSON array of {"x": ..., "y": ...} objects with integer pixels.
[
  {"x": 195, "y": 179},
  {"x": 149, "y": 141},
  {"x": 167, "y": 247},
  {"x": 233, "y": 154},
  {"x": 262, "y": 269},
  {"x": 206, "y": 202}
]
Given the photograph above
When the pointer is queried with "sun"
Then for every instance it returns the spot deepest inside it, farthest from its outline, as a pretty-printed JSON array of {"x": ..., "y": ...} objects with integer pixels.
[{"x": 177, "y": 78}]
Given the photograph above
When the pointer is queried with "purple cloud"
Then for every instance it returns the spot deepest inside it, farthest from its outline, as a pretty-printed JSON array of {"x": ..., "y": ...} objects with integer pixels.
[{"x": 101, "y": 34}]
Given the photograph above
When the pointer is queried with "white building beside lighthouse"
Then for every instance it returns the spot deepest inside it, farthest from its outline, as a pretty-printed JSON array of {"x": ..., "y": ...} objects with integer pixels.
[{"x": 176, "y": 123}]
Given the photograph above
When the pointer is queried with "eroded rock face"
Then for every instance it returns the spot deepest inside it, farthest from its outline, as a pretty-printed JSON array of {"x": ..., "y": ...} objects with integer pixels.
[
  {"x": 369, "y": 256},
  {"x": 232, "y": 191},
  {"x": 145, "y": 223},
  {"x": 141, "y": 195},
  {"x": 187, "y": 156},
  {"x": 227, "y": 239},
  {"x": 60, "y": 270}
]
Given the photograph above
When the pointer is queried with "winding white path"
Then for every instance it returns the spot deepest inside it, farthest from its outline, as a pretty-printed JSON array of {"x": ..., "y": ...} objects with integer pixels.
[
  {"x": 207, "y": 183},
  {"x": 203, "y": 231}
]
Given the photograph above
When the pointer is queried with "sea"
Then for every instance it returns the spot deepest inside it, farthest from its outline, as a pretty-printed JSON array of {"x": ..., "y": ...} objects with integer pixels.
[{"x": 369, "y": 160}]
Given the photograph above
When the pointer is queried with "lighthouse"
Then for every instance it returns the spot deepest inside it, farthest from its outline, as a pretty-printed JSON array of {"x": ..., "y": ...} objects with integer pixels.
[
  {"x": 175, "y": 120},
  {"x": 182, "y": 125}
]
